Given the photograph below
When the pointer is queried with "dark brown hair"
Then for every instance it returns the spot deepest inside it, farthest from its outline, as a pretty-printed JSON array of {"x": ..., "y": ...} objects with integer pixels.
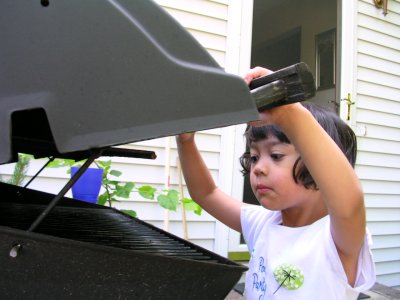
[{"x": 337, "y": 129}]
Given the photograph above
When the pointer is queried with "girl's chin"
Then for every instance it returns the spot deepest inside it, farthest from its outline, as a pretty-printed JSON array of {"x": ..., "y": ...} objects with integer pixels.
[
  {"x": 272, "y": 208},
  {"x": 268, "y": 205}
]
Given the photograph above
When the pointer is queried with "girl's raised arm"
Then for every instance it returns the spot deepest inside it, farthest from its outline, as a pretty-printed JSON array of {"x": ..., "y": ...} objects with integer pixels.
[
  {"x": 335, "y": 177},
  {"x": 201, "y": 185}
]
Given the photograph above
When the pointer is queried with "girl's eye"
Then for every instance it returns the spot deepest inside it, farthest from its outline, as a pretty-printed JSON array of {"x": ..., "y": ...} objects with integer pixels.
[
  {"x": 253, "y": 159},
  {"x": 277, "y": 156}
]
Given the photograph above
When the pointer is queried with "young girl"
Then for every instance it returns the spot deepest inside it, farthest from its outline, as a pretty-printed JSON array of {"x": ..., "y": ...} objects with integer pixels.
[{"x": 308, "y": 238}]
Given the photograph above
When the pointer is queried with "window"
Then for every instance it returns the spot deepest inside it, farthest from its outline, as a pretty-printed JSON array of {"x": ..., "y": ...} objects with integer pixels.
[{"x": 325, "y": 46}]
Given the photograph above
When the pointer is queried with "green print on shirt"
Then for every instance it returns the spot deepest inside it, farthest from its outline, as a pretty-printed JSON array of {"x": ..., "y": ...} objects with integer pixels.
[{"x": 289, "y": 277}]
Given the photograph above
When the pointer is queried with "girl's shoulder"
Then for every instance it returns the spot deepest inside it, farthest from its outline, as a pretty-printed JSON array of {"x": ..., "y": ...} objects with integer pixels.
[
  {"x": 256, "y": 214},
  {"x": 255, "y": 220}
]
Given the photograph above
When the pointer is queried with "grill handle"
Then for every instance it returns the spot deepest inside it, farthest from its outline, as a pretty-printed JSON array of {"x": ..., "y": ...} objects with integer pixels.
[{"x": 289, "y": 85}]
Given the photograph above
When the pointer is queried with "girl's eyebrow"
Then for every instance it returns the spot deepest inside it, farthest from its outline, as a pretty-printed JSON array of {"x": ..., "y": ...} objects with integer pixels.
[{"x": 268, "y": 143}]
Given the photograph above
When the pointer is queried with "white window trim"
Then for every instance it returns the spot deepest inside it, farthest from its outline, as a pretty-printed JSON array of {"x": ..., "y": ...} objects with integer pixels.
[
  {"x": 237, "y": 61},
  {"x": 348, "y": 56}
]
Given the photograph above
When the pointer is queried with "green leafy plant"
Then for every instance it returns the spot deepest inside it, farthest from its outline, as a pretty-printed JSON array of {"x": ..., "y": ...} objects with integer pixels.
[
  {"x": 114, "y": 189},
  {"x": 20, "y": 169}
]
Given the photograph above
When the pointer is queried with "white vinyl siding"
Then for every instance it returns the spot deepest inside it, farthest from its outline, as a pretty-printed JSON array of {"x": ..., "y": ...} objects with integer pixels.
[
  {"x": 206, "y": 20},
  {"x": 378, "y": 115}
]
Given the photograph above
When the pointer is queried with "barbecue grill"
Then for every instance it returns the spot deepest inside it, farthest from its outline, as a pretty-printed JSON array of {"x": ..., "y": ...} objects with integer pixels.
[{"x": 76, "y": 79}]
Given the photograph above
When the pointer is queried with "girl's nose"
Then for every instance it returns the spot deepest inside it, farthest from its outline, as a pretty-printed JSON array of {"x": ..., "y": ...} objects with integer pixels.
[{"x": 261, "y": 167}]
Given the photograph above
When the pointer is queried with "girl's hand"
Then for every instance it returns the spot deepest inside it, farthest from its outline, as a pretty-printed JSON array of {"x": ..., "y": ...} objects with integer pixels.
[
  {"x": 255, "y": 73},
  {"x": 269, "y": 116},
  {"x": 185, "y": 137}
]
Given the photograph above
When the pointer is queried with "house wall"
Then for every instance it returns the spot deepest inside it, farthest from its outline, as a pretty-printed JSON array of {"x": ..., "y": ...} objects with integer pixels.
[{"x": 378, "y": 122}]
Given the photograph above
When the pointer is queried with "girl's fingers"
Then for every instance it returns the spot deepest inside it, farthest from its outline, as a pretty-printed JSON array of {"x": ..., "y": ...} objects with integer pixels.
[
  {"x": 183, "y": 137},
  {"x": 255, "y": 73}
]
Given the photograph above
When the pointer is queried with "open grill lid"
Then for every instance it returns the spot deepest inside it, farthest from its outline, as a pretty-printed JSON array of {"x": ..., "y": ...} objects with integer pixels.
[{"x": 77, "y": 75}]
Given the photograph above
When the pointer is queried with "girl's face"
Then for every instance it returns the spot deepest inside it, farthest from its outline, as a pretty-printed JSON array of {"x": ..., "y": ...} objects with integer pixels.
[{"x": 271, "y": 175}]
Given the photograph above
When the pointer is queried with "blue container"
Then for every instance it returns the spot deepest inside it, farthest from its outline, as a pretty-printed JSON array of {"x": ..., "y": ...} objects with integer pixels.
[{"x": 87, "y": 188}]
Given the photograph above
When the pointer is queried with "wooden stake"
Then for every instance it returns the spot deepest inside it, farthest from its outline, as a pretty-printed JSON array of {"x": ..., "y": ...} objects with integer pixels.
[
  {"x": 185, "y": 229},
  {"x": 167, "y": 177}
]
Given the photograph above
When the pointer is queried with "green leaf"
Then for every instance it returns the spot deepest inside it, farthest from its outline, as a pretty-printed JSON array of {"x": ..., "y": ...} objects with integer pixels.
[
  {"x": 190, "y": 205},
  {"x": 198, "y": 211},
  {"x": 79, "y": 163},
  {"x": 173, "y": 194},
  {"x": 20, "y": 169},
  {"x": 129, "y": 186},
  {"x": 59, "y": 163},
  {"x": 132, "y": 213},
  {"x": 24, "y": 155},
  {"x": 115, "y": 173},
  {"x": 103, "y": 164},
  {"x": 110, "y": 182},
  {"x": 124, "y": 190},
  {"x": 113, "y": 199},
  {"x": 102, "y": 200},
  {"x": 147, "y": 192},
  {"x": 169, "y": 201}
]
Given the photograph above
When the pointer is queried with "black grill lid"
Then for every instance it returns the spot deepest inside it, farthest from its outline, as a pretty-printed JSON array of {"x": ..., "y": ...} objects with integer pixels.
[{"x": 76, "y": 75}]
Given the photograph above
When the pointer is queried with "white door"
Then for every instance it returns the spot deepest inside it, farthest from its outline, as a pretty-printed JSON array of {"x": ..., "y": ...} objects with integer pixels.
[{"x": 285, "y": 32}]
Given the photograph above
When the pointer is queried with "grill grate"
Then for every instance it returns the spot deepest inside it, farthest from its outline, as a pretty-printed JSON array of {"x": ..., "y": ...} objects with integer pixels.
[{"x": 105, "y": 227}]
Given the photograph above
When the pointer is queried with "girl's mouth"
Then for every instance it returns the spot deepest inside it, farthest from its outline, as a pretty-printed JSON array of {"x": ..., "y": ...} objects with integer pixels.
[{"x": 261, "y": 189}]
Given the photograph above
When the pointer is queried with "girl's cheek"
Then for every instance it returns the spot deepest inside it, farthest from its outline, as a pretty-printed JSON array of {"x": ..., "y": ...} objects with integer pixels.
[{"x": 252, "y": 182}]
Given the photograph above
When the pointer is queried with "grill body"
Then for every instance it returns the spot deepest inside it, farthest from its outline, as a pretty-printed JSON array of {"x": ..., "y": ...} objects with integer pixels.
[{"x": 86, "y": 251}]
